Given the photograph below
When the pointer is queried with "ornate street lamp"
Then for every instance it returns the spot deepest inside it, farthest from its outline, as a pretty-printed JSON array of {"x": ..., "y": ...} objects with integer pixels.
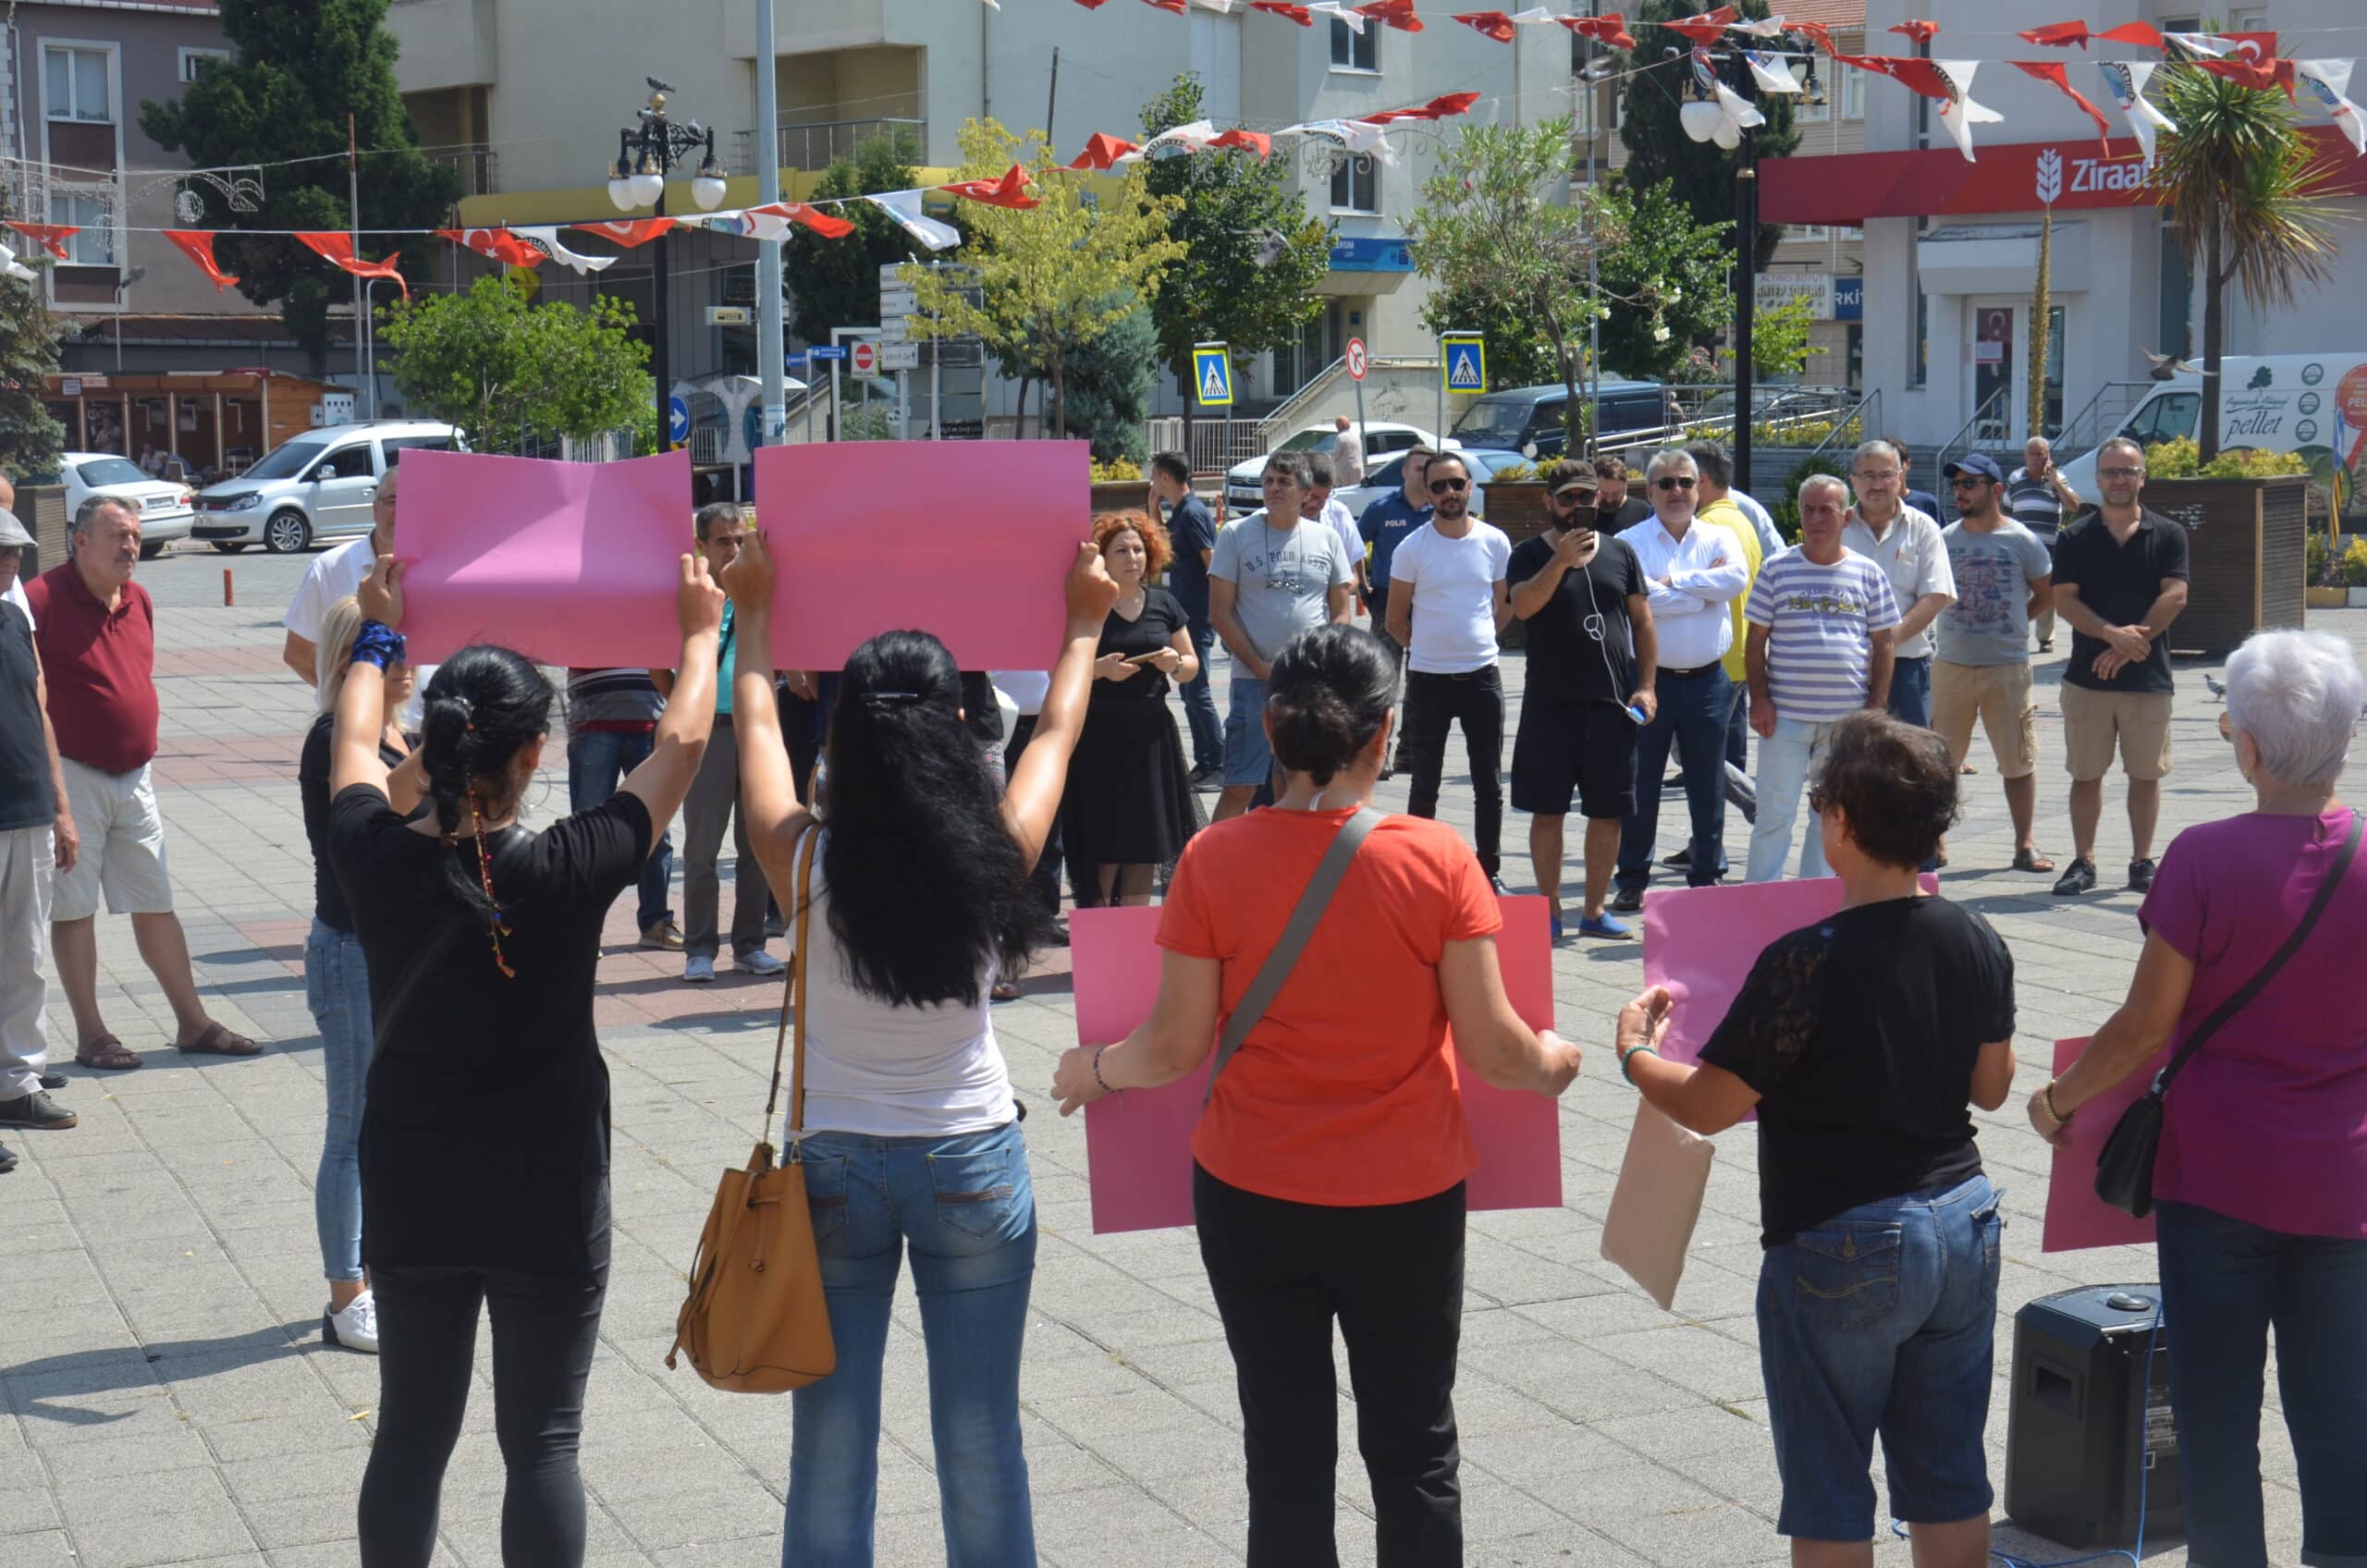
[{"x": 644, "y": 154}]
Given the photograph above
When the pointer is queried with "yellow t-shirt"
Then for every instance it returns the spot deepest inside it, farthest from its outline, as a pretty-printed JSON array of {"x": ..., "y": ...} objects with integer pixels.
[{"x": 1728, "y": 516}]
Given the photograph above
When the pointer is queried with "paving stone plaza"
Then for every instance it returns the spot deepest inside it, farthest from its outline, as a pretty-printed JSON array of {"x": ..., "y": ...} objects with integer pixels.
[{"x": 167, "y": 1400}]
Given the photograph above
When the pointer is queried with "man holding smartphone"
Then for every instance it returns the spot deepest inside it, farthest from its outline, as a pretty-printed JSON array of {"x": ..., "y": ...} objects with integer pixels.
[{"x": 1592, "y": 656}]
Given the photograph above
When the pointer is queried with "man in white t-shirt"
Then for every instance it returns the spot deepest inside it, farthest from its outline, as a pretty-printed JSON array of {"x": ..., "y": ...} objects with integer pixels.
[
  {"x": 332, "y": 576},
  {"x": 1448, "y": 600}
]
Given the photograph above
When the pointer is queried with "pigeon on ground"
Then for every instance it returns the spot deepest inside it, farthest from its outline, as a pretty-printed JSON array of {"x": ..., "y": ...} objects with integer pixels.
[{"x": 2214, "y": 688}]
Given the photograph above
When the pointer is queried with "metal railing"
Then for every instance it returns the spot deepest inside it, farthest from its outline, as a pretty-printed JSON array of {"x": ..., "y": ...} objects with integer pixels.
[
  {"x": 1992, "y": 414},
  {"x": 1863, "y": 423},
  {"x": 2101, "y": 419},
  {"x": 479, "y": 167},
  {"x": 819, "y": 143}
]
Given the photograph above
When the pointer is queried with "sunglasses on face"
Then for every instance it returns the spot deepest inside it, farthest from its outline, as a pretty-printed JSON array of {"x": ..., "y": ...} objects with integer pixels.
[
  {"x": 1672, "y": 482},
  {"x": 1448, "y": 486},
  {"x": 2120, "y": 473},
  {"x": 1971, "y": 481}
]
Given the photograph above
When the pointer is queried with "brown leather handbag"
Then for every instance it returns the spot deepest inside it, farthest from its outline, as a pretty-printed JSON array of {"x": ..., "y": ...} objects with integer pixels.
[{"x": 755, "y": 1322}]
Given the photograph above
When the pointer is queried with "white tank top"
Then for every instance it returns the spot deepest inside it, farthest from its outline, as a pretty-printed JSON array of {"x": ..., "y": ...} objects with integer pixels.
[{"x": 886, "y": 1071}]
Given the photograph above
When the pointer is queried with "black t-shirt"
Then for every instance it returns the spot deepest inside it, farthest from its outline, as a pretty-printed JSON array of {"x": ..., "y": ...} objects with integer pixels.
[
  {"x": 1161, "y": 618},
  {"x": 1623, "y": 517},
  {"x": 312, "y": 789},
  {"x": 1566, "y": 663},
  {"x": 1190, "y": 530},
  {"x": 2119, "y": 582},
  {"x": 26, "y": 798},
  {"x": 1860, "y": 1034},
  {"x": 485, "y": 1139}
]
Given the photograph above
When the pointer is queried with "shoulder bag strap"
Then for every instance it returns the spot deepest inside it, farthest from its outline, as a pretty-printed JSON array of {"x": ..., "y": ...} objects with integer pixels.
[
  {"x": 793, "y": 994},
  {"x": 1276, "y": 970},
  {"x": 2252, "y": 988}
]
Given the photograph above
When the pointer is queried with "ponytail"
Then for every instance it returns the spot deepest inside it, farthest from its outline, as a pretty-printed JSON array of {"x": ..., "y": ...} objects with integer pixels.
[{"x": 483, "y": 706}]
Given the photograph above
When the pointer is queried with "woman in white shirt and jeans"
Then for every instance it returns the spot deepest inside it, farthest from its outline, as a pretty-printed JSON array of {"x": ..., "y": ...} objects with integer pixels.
[{"x": 920, "y": 898}]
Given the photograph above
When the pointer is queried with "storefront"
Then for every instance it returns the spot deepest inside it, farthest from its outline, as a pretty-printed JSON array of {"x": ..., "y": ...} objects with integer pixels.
[{"x": 196, "y": 425}]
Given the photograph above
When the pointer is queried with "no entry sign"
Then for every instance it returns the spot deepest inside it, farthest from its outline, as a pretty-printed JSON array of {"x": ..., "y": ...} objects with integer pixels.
[{"x": 865, "y": 357}]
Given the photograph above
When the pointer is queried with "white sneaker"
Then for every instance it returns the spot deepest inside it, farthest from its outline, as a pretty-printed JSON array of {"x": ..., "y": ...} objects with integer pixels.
[
  {"x": 354, "y": 1328},
  {"x": 698, "y": 970},
  {"x": 760, "y": 963}
]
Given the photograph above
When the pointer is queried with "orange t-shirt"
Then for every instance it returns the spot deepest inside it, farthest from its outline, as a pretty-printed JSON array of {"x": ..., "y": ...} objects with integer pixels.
[{"x": 1345, "y": 1093}]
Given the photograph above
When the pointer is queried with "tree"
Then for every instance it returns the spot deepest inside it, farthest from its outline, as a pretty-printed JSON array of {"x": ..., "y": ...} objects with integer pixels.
[
  {"x": 1779, "y": 341},
  {"x": 495, "y": 365},
  {"x": 300, "y": 71},
  {"x": 1702, "y": 173},
  {"x": 30, "y": 437},
  {"x": 1109, "y": 393},
  {"x": 1253, "y": 255},
  {"x": 2247, "y": 196},
  {"x": 838, "y": 280},
  {"x": 1053, "y": 279},
  {"x": 1497, "y": 230}
]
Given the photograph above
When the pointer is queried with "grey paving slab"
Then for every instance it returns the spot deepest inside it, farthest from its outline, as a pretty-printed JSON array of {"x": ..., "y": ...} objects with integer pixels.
[{"x": 165, "y": 1397}]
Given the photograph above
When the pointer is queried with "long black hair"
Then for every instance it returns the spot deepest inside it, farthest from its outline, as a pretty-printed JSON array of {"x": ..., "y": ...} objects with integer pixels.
[
  {"x": 929, "y": 892},
  {"x": 1328, "y": 696},
  {"x": 484, "y": 705}
]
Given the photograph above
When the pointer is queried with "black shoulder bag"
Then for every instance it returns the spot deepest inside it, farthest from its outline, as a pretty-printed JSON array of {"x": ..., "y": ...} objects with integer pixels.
[{"x": 2125, "y": 1166}]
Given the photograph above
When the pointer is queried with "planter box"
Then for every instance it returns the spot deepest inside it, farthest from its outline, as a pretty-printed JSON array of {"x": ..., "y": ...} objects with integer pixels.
[
  {"x": 1125, "y": 496},
  {"x": 41, "y": 509},
  {"x": 1519, "y": 508},
  {"x": 2246, "y": 546},
  {"x": 2328, "y": 598},
  {"x": 2358, "y": 598}
]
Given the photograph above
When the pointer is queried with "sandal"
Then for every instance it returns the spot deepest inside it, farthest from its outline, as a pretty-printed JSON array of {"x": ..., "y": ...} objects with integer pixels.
[
  {"x": 1005, "y": 991},
  {"x": 219, "y": 1041},
  {"x": 108, "y": 1054},
  {"x": 2028, "y": 859}
]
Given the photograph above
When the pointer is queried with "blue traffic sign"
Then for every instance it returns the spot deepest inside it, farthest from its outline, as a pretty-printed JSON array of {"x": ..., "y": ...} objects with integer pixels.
[
  {"x": 1212, "y": 375},
  {"x": 827, "y": 351},
  {"x": 678, "y": 419},
  {"x": 797, "y": 361},
  {"x": 1467, "y": 365}
]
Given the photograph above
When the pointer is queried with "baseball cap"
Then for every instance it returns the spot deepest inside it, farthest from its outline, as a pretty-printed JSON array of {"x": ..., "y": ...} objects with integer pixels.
[
  {"x": 1978, "y": 464},
  {"x": 12, "y": 532},
  {"x": 1585, "y": 482}
]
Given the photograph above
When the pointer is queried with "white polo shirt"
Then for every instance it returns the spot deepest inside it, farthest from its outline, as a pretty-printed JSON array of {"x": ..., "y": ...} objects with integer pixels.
[{"x": 1453, "y": 585}]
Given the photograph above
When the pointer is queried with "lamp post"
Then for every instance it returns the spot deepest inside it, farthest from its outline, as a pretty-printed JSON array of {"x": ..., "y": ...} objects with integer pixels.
[{"x": 644, "y": 154}]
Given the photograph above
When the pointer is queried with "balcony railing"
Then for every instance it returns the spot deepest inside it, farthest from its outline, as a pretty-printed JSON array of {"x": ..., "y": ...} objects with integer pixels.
[
  {"x": 477, "y": 167},
  {"x": 817, "y": 144}
]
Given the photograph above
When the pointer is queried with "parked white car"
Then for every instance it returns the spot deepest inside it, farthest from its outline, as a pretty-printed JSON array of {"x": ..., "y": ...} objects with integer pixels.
[
  {"x": 313, "y": 487},
  {"x": 163, "y": 505},
  {"x": 1243, "y": 486}
]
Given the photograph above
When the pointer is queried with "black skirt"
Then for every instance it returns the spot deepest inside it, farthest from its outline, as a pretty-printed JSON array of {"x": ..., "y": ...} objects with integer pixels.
[{"x": 1129, "y": 799}]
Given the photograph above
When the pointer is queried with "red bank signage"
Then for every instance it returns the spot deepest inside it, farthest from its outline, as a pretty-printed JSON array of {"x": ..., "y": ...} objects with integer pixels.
[{"x": 2019, "y": 177}]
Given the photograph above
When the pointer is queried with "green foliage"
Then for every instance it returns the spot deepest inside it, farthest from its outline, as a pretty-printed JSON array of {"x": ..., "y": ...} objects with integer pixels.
[
  {"x": 2182, "y": 459},
  {"x": 1658, "y": 149},
  {"x": 30, "y": 438},
  {"x": 872, "y": 421},
  {"x": 1514, "y": 473},
  {"x": 300, "y": 70},
  {"x": 1117, "y": 471},
  {"x": 836, "y": 282},
  {"x": 1779, "y": 340},
  {"x": 2354, "y": 564},
  {"x": 1109, "y": 390},
  {"x": 1787, "y": 510},
  {"x": 1229, "y": 207},
  {"x": 1052, "y": 279},
  {"x": 495, "y": 365}
]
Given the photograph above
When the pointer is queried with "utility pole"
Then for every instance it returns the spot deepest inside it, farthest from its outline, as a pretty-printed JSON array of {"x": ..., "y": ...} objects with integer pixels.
[
  {"x": 353, "y": 217},
  {"x": 1053, "y": 98},
  {"x": 770, "y": 343},
  {"x": 1746, "y": 301}
]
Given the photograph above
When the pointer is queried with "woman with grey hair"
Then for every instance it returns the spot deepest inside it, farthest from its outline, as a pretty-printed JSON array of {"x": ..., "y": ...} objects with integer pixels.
[{"x": 2261, "y": 1184}]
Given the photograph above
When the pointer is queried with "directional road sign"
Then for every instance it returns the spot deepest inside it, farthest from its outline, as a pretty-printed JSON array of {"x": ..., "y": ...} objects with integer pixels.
[
  {"x": 900, "y": 356},
  {"x": 1212, "y": 375},
  {"x": 1358, "y": 363},
  {"x": 827, "y": 351},
  {"x": 678, "y": 419},
  {"x": 1465, "y": 357}
]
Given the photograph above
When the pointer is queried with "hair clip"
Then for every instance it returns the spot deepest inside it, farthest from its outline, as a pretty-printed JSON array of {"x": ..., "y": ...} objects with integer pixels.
[{"x": 889, "y": 699}]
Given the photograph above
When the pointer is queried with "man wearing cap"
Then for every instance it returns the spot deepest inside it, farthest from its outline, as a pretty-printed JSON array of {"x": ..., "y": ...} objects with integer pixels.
[
  {"x": 1592, "y": 656},
  {"x": 1905, "y": 541},
  {"x": 37, "y": 837}
]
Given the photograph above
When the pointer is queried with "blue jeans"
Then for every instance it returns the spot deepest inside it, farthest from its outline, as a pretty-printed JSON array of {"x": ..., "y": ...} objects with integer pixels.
[
  {"x": 1787, "y": 761},
  {"x": 964, "y": 1207},
  {"x": 1200, "y": 705},
  {"x": 1884, "y": 1319},
  {"x": 2224, "y": 1283},
  {"x": 1910, "y": 691},
  {"x": 1692, "y": 716},
  {"x": 596, "y": 762},
  {"x": 337, "y": 990},
  {"x": 1248, "y": 757}
]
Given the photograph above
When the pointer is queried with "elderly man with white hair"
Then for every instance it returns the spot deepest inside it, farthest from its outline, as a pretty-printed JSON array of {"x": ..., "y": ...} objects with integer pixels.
[
  {"x": 1693, "y": 572},
  {"x": 2260, "y": 1185}
]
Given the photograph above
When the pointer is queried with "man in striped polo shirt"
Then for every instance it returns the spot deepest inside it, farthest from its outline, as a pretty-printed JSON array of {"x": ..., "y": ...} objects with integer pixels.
[
  {"x": 2039, "y": 498},
  {"x": 1823, "y": 635}
]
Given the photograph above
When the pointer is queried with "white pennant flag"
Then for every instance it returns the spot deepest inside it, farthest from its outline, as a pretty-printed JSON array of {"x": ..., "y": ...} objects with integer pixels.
[
  {"x": 1221, "y": 7},
  {"x": 1194, "y": 137},
  {"x": 2329, "y": 83},
  {"x": 1766, "y": 26},
  {"x": 545, "y": 237},
  {"x": 1771, "y": 71},
  {"x": 904, "y": 206},
  {"x": 1533, "y": 16},
  {"x": 2125, "y": 80},
  {"x": 1334, "y": 10},
  {"x": 15, "y": 268},
  {"x": 1960, "y": 114}
]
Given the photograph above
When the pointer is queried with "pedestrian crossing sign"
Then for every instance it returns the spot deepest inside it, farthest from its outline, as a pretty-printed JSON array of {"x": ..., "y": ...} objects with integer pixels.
[
  {"x": 1212, "y": 373},
  {"x": 1465, "y": 359}
]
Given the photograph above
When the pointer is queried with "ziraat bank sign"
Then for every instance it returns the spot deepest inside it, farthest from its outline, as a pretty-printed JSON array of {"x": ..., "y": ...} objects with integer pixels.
[{"x": 1849, "y": 188}]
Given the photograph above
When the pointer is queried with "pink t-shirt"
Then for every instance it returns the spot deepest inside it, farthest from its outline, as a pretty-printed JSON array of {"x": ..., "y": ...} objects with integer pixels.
[{"x": 2268, "y": 1123}]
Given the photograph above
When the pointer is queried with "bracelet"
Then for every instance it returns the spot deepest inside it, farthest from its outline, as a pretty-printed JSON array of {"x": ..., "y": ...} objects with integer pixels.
[
  {"x": 378, "y": 643},
  {"x": 1100, "y": 1080},
  {"x": 1627, "y": 1058},
  {"x": 2046, "y": 1098}
]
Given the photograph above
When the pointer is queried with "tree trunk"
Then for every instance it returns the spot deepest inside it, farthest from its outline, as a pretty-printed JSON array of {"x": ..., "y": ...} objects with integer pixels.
[
  {"x": 1574, "y": 410},
  {"x": 2040, "y": 336},
  {"x": 2215, "y": 342},
  {"x": 1184, "y": 384},
  {"x": 1019, "y": 431},
  {"x": 1060, "y": 400}
]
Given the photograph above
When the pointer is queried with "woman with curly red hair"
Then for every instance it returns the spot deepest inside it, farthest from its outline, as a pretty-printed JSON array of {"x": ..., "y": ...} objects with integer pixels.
[{"x": 1128, "y": 806}]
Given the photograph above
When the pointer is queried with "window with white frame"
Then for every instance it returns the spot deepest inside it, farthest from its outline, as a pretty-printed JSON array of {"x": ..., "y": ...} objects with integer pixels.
[
  {"x": 1853, "y": 91},
  {"x": 94, "y": 246},
  {"x": 75, "y": 84},
  {"x": 2252, "y": 19},
  {"x": 194, "y": 61},
  {"x": 1807, "y": 233},
  {"x": 1353, "y": 51},
  {"x": 1355, "y": 184}
]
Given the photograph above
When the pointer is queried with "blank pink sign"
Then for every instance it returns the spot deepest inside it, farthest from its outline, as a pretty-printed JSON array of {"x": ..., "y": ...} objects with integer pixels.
[
  {"x": 2076, "y": 1218},
  {"x": 566, "y": 563},
  {"x": 1138, "y": 1143},
  {"x": 970, "y": 539}
]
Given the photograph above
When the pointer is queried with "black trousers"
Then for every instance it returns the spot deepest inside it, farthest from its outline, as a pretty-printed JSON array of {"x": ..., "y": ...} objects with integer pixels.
[
  {"x": 1045, "y": 880},
  {"x": 1391, "y": 1274},
  {"x": 544, "y": 1331},
  {"x": 1476, "y": 701}
]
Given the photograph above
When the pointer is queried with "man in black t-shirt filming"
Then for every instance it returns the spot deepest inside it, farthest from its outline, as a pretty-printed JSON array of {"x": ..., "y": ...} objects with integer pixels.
[
  {"x": 2120, "y": 578},
  {"x": 1591, "y": 658}
]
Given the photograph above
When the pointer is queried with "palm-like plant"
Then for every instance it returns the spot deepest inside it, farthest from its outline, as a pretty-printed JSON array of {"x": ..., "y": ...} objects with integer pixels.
[{"x": 2246, "y": 192}]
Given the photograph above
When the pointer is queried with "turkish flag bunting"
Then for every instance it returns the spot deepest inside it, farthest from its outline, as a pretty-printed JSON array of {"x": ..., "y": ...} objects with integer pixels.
[
  {"x": 1298, "y": 14},
  {"x": 1920, "y": 31},
  {"x": 1818, "y": 33},
  {"x": 830, "y": 225},
  {"x": 2275, "y": 73},
  {"x": 1102, "y": 151},
  {"x": 2057, "y": 35},
  {"x": 630, "y": 233},
  {"x": 1919, "y": 76},
  {"x": 1256, "y": 141},
  {"x": 1175, "y": 5},
  {"x": 2057, "y": 73},
  {"x": 1605, "y": 31},
  {"x": 1495, "y": 24},
  {"x": 2143, "y": 35},
  {"x": 1092, "y": 5},
  {"x": 1445, "y": 106},
  {"x": 197, "y": 244},
  {"x": 498, "y": 243},
  {"x": 1708, "y": 28},
  {"x": 1010, "y": 190},
  {"x": 1398, "y": 14},
  {"x": 51, "y": 236},
  {"x": 337, "y": 250}
]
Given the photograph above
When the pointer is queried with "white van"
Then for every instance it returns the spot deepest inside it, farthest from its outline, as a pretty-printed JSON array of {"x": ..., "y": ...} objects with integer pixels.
[{"x": 2312, "y": 404}]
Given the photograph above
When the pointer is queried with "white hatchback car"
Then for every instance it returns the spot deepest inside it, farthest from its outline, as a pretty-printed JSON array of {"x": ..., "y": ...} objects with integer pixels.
[
  {"x": 1245, "y": 483},
  {"x": 163, "y": 505}
]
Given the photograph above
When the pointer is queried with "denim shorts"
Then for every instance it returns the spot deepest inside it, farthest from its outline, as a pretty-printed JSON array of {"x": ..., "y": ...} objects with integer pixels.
[
  {"x": 1248, "y": 759},
  {"x": 1883, "y": 1319}
]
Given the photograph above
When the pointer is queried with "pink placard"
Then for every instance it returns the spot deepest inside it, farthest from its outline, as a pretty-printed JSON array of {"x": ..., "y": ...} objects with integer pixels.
[
  {"x": 970, "y": 539},
  {"x": 2076, "y": 1218},
  {"x": 1138, "y": 1144},
  {"x": 1700, "y": 943},
  {"x": 566, "y": 563}
]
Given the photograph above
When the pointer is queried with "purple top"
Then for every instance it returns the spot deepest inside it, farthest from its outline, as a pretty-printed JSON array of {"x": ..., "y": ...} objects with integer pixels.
[{"x": 2268, "y": 1123}]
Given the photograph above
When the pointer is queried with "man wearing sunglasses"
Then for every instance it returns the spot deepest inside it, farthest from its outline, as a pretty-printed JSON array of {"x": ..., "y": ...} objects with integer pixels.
[
  {"x": 1593, "y": 653},
  {"x": 1694, "y": 571},
  {"x": 1448, "y": 601}
]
